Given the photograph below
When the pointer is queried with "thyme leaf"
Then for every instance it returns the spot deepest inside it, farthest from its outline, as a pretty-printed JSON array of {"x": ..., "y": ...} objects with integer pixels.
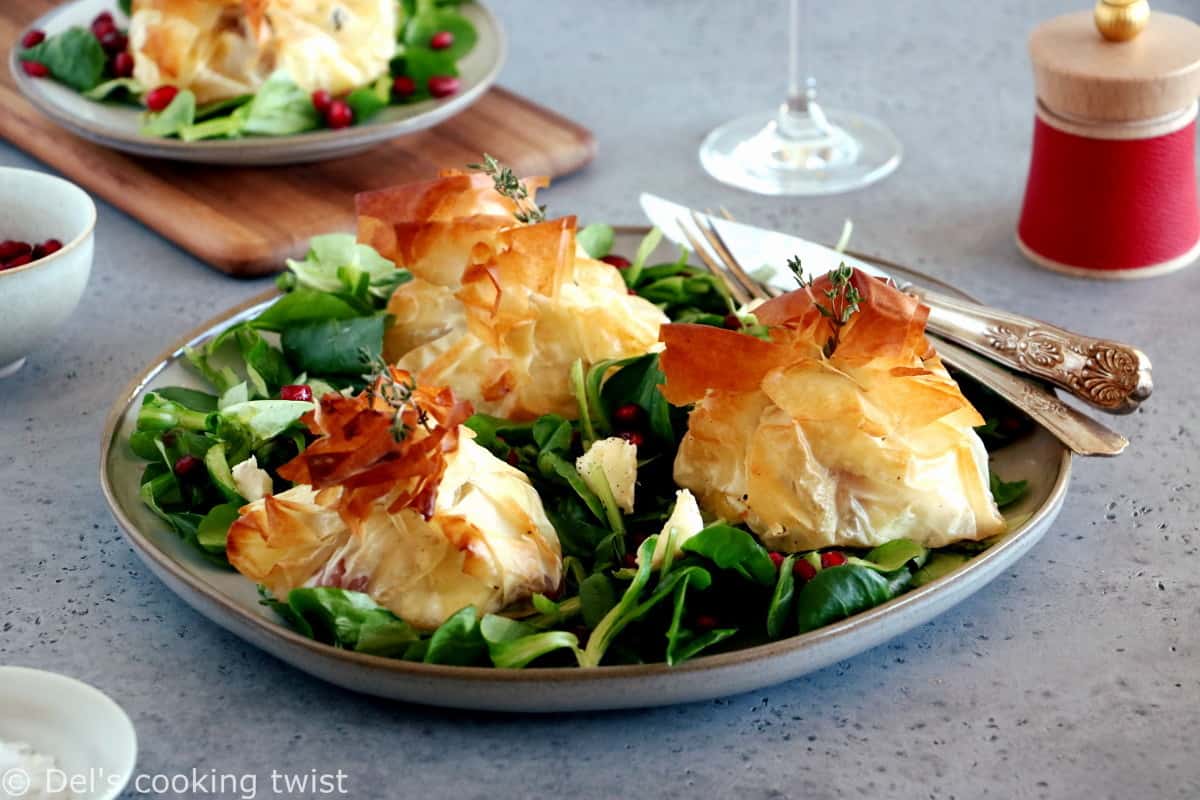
[
  {"x": 844, "y": 298},
  {"x": 509, "y": 185},
  {"x": 384, "y": 385}
]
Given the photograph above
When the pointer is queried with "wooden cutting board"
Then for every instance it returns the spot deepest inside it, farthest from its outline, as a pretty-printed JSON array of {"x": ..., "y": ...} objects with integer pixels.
[{"x": 245, "y": 220}]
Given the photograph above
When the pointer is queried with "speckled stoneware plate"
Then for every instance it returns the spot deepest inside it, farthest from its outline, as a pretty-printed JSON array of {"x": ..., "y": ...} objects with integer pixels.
[
  {"x": 232, "y": 601},
  {"x": 116, "y": 126}
]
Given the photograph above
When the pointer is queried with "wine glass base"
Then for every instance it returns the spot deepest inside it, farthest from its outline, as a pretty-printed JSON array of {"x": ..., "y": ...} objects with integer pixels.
[{"x": 750, "y": 153}]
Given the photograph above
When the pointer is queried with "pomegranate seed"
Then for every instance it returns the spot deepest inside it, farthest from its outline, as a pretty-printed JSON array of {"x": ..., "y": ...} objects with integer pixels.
[
  {"x": 620, "y": 262},
  {"x": 832, "y": 559},
  {"x": 513, "y": 458},
  {"x": 48, "y": 247},
  {"x": 103, "y": 16},
  {"x": 161, "y": 97},
  {"x": 186, "y": 465},
  {"x": 339, "y": 115},
  {"x": 776, "y": 559},
  {"x": 404, "y": 86},
  {"x": 632, "y": 292},
  {"x": 443, "y": 85},
  {"x": 321, "y": 100},
  {"x": 630, "y": 560},
  {"x": 33, "y": 38},
  {"x": 114, "y": 41},
  {"x": 19, "y": 261},
  {"x": 296, "y": 391},
  {"x": 804, "y": 570},
  {"x": 635, "y": 438},
  {"x": 35, "y": 69},
  {"x": 628, "y": 415},
  {"x": 732, "y": 322},
  {"x": 441, "y": 40},
  {"x": 706, "y": 622},
  {"x": 169, "y": 438},
  {"x": 10, "y": 249},
  {"x": 122, "y": 65},
  {"x": 102, "y": 25}
]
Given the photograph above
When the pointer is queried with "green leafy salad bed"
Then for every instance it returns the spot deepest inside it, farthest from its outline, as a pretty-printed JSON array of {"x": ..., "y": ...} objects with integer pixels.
[
  {"x": 724, "y": 591},
  {"x": 432, "y": 37}
]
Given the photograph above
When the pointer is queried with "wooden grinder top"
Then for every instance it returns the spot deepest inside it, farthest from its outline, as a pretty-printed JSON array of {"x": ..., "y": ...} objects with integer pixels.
[{"x": 1081, "y": 75}]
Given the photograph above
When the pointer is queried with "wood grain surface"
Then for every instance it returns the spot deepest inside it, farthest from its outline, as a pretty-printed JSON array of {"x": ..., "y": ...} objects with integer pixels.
[{"x": 245, "y": 220}]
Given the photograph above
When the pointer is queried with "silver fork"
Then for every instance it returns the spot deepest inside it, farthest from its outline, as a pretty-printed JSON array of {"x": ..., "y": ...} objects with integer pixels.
[{"x": 1079, "y": 432}]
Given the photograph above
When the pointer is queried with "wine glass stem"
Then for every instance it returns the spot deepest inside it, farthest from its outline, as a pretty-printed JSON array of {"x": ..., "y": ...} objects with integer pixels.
[
  {"x": 800, "y": 119},
  {"x": 802, "y": 86}
]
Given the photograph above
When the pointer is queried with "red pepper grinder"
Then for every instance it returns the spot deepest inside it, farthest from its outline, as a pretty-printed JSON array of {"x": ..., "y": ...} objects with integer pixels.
[{"x": 1112, "y": 182}]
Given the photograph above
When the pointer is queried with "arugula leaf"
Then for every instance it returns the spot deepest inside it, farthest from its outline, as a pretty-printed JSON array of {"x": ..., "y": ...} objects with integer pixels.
[
  {"x": 596, "y": 239},
  {"x": 334, "y": 347},
  {"x": 102, "y": 91},
  {"x": 350, "y": 620},
  {"x": 681, "y": 643},
  {"x": 336, "y": 263},
  {"x": 553, "y": 436},
  {"x": 188, "y": 398},
  {"x": 940, "y": 564},
  {"x": 637, "y": 382},
  {"x": 179, "y": 114},
  {"x": 597, "y": 596},
  {"x": 839, "y": 592},
  {"x": 512, "y": 644},
  {"x": 214, "y": 527},
  {"x": 159, "y": 414},
  {"x": 894, "y": 555},
  {"x": 458, "y": 641},
  {"x": 1005, "y": 493},
  {"x": 74, "y": 57},
  {"x": 734, "y": 549},
  {"x": 265, "y": 418},
  {"x": 279, "y": 108},
  {"x": 301, "y": 306},
  {"x": 367, "y": 101},
  {"x": 430, "y": 20},
  {"x": 222, "y": 476},
  {"x": 266, "y": 366},
  {"x": 781, "y": 614},
  {"x": 648, "y": 245}
]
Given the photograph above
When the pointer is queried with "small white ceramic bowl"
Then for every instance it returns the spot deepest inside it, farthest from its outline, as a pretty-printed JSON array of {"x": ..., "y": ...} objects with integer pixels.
[
  {"x": 37, "y": 298},
  {"x": 90, "y": 738}
]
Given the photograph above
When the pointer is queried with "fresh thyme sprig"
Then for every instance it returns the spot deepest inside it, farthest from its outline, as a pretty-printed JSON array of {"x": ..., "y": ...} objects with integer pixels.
[
  {"x": 509, "y": 185},
  {"x": 843, "y": 296},
  {"x": 383, "y": 385}
]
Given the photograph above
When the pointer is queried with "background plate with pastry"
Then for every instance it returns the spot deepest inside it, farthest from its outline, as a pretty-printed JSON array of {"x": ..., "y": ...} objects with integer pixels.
[
  {"x": 255, "y": 81},
  {"x": 464, "y": 465}
]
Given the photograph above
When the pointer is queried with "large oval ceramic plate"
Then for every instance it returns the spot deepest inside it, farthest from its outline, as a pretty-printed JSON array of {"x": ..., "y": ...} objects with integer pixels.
[
  {"x": 231, "y": 601},
  {"x": 116, "y": 126}
]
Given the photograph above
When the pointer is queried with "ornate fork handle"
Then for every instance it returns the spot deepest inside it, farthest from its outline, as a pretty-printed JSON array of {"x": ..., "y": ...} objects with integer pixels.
[{"x": 1111, "y": 376}]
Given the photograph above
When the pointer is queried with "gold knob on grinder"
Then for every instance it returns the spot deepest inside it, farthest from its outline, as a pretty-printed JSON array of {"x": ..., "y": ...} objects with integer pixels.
[{"x": 1121, "y": 20}]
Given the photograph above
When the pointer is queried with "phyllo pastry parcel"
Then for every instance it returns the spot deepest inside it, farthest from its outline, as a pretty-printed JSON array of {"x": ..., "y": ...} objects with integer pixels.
[
  {"x": 498, "y": 309},
  {"x": 396, "y": 500},
  {"x": 221, "y": 49},
  {"x": 830, "y": 434}
]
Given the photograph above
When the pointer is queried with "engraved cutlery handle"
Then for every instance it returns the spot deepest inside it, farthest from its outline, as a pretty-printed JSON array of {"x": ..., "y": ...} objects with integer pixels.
[
  {"x": 1111, "y": 376},
  {"x": 1082, "y": 434}
]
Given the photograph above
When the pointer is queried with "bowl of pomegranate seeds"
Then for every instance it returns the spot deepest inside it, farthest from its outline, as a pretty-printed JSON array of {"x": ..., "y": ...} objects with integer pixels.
[{"x": 46, "y": 232}]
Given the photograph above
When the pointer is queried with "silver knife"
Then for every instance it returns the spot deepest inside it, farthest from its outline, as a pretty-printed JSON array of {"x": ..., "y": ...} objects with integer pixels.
[{"x": 1111, "y": 376}]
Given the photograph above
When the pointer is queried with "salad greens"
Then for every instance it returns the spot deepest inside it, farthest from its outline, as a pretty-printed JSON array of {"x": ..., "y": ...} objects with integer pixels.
[
  {"x": 74, "y": 57},
  {"x": 77, "y": 59},
  {"x": 623, "y": 599}
]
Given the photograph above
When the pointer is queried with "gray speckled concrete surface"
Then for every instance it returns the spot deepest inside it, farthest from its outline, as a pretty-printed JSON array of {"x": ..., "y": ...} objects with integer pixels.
[{"x": 1076, "y": 675}]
